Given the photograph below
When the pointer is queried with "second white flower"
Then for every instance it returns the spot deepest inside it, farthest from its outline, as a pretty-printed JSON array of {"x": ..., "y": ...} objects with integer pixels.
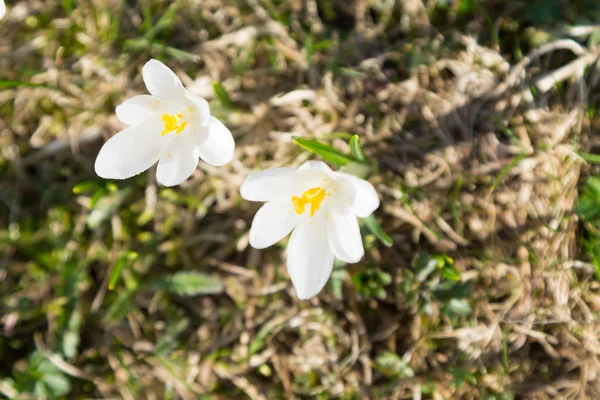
[{"x": 321, "y": 207}]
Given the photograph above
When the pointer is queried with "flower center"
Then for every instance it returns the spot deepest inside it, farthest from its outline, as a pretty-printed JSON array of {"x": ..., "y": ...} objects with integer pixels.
[
  {"x": 173, "y": 122},
  {"x": 314, "y": 197}
]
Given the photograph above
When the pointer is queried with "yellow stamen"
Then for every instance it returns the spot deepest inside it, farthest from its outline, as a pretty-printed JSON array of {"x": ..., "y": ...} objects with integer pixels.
[
  {"x": 314, "y": 197},
  {"x": 173, "y": 123}
]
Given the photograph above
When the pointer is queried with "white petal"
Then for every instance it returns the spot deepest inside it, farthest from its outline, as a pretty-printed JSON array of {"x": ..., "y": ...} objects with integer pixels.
[
  {"x": 201, "y": 108},
  {"x": 361, "y": 195},
  {"x": 139, "y": 109},
  {"x": 274, "y": 221},
  {"x": 131, "y": 151},
  {"x": 179, "y": 162},
  {"x": 265, "y": 185},
  {"x": 343, "y": 233},
  {"x": 2, "y": 8},
  {"x": 309, "y": 258},
  {"x": 216, "y": 144},
  {"x": 162, "y": 82},
  {"x": 317, "y": 166}
]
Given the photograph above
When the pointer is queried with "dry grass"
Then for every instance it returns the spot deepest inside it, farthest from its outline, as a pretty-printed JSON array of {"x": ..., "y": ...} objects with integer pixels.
[{"x": 477, "y": 145}]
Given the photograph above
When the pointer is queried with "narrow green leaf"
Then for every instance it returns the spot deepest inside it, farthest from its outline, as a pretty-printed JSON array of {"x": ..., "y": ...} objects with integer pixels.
[
  {"x": 506, "y": 170},
  {"x": 505, "y": 348},
  {"x": 116, "y": 273},
  {"x": 97, "y": 196},
  {"x": 259, "y": 341},
  {"x": 186, "y": 284},
  {"x": 71, "y": 337},
  {"x": 85, "y": 186},
  {"x": 222, "y": 95},
  {"x": 328, "y": 153},
  {"x": 166, "y": 21},
  {"x": 376, "y": 230},
  {"x": 308, "y": 46},
  {"x": 591, "y": 158},
  {"x": 356, "y": 149}
]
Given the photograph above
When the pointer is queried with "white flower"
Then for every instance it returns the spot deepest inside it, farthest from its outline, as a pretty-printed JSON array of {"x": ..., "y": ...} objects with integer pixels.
[
  {"x": 171, "y": 126},
  {"x": 2, "y": 9},
  {"x": 321, "y": 207}
]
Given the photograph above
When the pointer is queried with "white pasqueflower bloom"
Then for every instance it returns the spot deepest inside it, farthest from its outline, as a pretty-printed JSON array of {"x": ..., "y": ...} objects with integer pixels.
[
  {"x": 321, "y": 207},
  {"x": 171, "y": 126}
]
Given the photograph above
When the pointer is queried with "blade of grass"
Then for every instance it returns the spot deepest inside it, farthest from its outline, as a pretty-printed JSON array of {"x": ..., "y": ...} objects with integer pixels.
[
  {"x": 328, "y": 153},
  {"x": 378, "y": 231},
  {"x": 222, "y": 95},
  {"x": 591, "y": 158},
  {"x": 116, "y": 273}
]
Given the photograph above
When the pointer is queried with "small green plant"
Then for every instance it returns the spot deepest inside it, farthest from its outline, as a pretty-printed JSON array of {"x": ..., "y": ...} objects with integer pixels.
[
  {"x": 391, "y": 365},
  {"x": 41, "y": 378},
  {"x": 371, "y": 282},
  {"x": 435, "y": 279}
]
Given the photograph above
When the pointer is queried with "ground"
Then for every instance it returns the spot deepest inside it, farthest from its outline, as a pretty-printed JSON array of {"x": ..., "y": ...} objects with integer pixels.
[{"x": 479, "y": 118}]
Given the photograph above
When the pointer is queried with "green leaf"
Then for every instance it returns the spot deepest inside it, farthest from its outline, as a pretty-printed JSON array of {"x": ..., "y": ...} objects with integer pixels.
[
  {"x": 459, "y": 307},
  {"x": 68, "y": 5},
  {"x": 592, "y": 245},
  {"x": 328, "y": 153},
  {"x": 85, "y": 186},
  {"x": 222, "y": 95},
  {"x": 378, "y": 231},
  {"x": 392, "y": 365},
  {"x": 371, "y": 282},
  {"x": 356, "y": 149},
  {"x": 359, "y": 170},
  {"x": 465, "y": 6},
  {"x": 446, "y": 290},
  {"x": 308, "y": 46},
  {"x": 186, "y": 284},
  {"x": 165, "y": 22},
  {"x": 427, "y": 269},
  {"x": 504, "y": 172},
  {"x": 259, "y": 341},
  {"x": 71, "y": 338},
  {"x": 588, "y": 205},
  {"x": 70, "y": 342},
  {"x": 450, "y": 273},
  {"x": 591, "y": 158},
  {"x": 56, "y": 384},
  {"x": 116, "y": 272}
]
